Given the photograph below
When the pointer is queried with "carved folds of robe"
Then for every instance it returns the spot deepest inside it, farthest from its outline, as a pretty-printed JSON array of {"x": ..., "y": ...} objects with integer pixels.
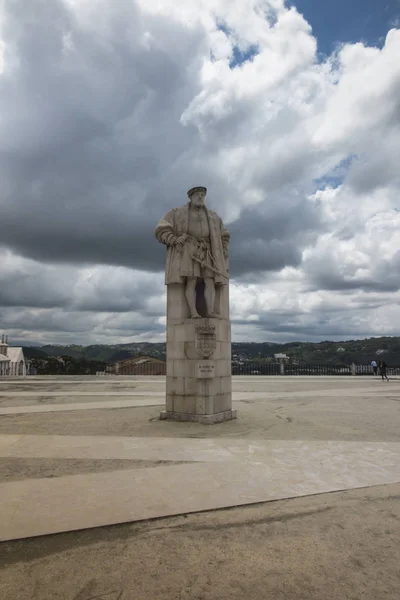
[{"x": 180, "y": 263}]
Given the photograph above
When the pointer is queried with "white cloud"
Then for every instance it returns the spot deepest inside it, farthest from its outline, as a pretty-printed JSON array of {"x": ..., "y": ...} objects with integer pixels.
[{"x": 112, "y": 110}]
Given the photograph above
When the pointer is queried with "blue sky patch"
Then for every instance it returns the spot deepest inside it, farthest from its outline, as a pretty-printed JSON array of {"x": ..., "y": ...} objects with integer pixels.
[
  {"x": 336, "y": 176},
  {"x": 339, "y": 21},
  {"x": 239, "y": 57},
  {"x": 335, "y": 22}
]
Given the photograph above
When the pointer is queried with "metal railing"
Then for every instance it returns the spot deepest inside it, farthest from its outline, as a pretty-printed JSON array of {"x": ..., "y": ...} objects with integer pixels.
[
  {"x": 147, "y": 368},
  {"x": 251, "y": 368},
  {"x": 368, "y": 370},
  {"x": 256, "y": 368},
  {"x": 264, "y": 368},
  {"x": 316, "y": 370}
]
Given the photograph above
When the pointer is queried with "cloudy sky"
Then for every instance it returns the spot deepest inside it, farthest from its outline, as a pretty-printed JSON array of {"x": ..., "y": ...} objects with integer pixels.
[{"x": 288, "y": 112}]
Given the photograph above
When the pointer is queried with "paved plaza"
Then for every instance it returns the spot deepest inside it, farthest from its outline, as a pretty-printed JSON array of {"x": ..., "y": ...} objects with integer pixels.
[{"x": 308, "y": 474}]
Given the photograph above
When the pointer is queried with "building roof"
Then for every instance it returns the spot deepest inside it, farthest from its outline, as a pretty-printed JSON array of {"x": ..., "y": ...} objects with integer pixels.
[
  {"x": 4, "y": 358},
  {"x": 15, "y": 354},
  {"x": 138, "y": 360}
]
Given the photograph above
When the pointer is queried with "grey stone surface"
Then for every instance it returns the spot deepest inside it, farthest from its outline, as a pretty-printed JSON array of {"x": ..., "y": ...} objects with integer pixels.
[
  {"x": 198, "y": 325},
  {"x": 197, "y": 247},
  {"x": 205, "y": 369},
  {"x": 304, "y": 435},
  {"x": 255, "y": 462},
  {"x": 255, "y": 554},
  {"x": 211, "y": 419}
]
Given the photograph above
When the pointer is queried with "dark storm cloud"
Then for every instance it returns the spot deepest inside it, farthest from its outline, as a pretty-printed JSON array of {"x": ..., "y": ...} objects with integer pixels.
[
  {"x": 91, "y": 125},
  {"x": 32, "y": 286},
  {"x": 370, "y": 173},
  {"x": 272, "y": 235},
  {"x": 326, "y": 273},
  {"x": 133, "y": 294},
  {"x": 92, "y": 152},
  {"x": 110, "y": 112},
  {"x": 323, "y": 323},
  {"x": 35, "y": 285},
  {"x": 72, "y": 324}
]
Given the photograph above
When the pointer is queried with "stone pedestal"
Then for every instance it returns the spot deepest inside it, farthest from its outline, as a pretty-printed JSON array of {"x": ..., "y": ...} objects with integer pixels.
[{"x": 198, "y": 361}]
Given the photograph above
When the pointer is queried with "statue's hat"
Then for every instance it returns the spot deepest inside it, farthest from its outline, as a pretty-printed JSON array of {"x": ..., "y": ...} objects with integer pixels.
[{"x": 196, "y": 189}]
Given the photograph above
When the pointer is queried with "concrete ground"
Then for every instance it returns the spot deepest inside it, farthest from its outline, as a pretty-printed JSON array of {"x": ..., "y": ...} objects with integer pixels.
[
  {"x": 329, "y": 546},
  {"x": 278, "y": 408}
]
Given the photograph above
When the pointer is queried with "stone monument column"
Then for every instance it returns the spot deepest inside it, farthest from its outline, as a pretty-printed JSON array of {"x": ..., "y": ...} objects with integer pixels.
[{"x": 198, "y": 323}]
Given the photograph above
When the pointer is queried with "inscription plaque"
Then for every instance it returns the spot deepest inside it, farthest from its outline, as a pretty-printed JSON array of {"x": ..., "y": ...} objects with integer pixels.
[{"x": 205, "y": 369}]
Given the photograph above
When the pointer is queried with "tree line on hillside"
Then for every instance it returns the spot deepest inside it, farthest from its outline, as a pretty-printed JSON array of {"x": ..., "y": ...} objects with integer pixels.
[
  {"x": 338, "y": 353},
  {"x": 64, "y": 365}
]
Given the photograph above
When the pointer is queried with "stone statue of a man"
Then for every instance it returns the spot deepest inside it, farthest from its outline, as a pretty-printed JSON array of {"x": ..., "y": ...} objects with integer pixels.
[{"x": 197, "y": 248}]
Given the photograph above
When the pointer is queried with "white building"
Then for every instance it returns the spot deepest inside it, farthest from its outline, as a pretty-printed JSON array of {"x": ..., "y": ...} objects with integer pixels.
[
  {"x": 4, "y": 365},
  {"x": 12, "y": 361},
  {"x": 282, "y": 357}
]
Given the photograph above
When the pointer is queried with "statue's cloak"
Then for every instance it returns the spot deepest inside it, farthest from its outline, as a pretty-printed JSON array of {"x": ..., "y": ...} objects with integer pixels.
[{"x": 174, "y": 224}]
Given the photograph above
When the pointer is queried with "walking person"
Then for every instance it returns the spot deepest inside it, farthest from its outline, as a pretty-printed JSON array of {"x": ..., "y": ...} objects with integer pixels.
[
  {"x": 374, "y": 367},
  {"x": 382, "y": 370}
]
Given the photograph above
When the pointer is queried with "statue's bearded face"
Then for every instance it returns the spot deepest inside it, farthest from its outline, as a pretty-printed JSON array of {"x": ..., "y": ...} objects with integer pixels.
[{"x": 197, "y": 198}]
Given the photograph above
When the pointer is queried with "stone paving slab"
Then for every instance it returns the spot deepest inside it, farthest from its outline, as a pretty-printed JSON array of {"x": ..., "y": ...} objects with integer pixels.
[
  {"x": 44, "y": 506},
  {"x": 42, "y": 408},
  {"x": 79, "y": 393},
  {"x": 224, "y": 471},
  {"x": 117, "y": 447},
  {"x": 156, "y": 398},
  {"x": 194, "y": 450}
]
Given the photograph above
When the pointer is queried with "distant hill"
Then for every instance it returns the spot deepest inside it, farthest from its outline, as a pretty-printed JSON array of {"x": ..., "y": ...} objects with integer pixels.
[
  {"x": 32, "y": 352},
  {"x": 346, "y": 352},
  {"x": 106, "y": 353},
  {"x": 358, "y": 351}
]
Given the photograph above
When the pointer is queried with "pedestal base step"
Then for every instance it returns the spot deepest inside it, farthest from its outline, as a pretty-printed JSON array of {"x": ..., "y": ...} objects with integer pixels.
[{"x": 227, "y": 415}]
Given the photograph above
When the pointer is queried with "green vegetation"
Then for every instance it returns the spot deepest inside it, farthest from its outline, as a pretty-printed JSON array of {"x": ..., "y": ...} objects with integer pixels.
[
  {"x": 65, "y": 365},
  {"x": 103, "y": 353},
  {"x": 326, "y": 352},
  {"x": 336, "y": 353}
]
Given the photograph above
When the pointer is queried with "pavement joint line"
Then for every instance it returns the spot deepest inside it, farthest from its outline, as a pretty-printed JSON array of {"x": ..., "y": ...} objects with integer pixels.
[
  {"x": 219, "y": 472},
  {"x": 43, "y": 506},
  {"x": 43, "y": 408}
]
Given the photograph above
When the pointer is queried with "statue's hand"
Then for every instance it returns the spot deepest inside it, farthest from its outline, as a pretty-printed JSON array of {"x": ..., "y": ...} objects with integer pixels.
[{"x": 180, "y": 241}]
